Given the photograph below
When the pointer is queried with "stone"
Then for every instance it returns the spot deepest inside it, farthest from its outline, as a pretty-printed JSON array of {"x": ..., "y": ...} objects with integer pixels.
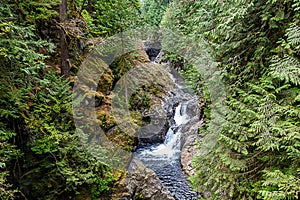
[
  {"x": 152, "y": 49},
  {"x": 141, "y": 183},
  {"x": 189, "y": 140}
]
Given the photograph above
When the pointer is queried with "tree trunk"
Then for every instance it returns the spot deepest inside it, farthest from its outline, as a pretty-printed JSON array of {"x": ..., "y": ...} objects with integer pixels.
[
  {"x": 90, "y": 6},
  {"x": 65, "y": 68}
]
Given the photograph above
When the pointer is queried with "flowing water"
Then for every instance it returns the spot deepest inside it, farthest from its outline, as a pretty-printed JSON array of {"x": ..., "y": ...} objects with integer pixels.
[{"x": 164, "y": 159}]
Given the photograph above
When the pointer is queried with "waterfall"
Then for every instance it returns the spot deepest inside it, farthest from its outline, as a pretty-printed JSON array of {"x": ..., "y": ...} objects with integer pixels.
[
  {"x": 170, "y": 149},
  {"x": 181, "y": 116},
  {"x": 164, "y": 159}
]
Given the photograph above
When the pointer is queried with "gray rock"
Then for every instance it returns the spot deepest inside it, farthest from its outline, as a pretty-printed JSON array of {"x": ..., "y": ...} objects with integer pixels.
[
  {"x": 154, "y": 132},
  {"x": 152, "y": 49},
  {"x": 189, "y": 140},
  {"x": 141, "y": 183},
  {"x": 160, "y": 115}
]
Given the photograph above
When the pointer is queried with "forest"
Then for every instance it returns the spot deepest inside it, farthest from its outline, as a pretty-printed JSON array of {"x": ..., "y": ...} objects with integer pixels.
[{"x": 240, "y": 58}]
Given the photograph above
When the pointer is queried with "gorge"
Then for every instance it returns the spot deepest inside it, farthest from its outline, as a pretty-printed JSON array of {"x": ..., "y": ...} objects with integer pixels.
[{"x": 165, "y": 158}]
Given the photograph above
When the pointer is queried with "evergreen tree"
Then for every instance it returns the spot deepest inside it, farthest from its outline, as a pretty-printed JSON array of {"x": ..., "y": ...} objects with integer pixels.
[
  {"x": 152, "y": 11},
  {"x": 256, "y": 43},
  {"x": 41, "y": 155}
]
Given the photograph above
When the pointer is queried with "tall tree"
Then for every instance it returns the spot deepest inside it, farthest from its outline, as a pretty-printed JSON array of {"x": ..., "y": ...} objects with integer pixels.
[
  {"x": 256, "y": 43},
  {"x": 65, "y": 67}
]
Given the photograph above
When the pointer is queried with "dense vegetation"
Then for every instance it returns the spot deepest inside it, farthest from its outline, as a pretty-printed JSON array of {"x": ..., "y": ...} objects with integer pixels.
[
  {"x": 41, "y": 156},
  {"x": 256, "y": 46},
  {"x": 254, "y": 43}
]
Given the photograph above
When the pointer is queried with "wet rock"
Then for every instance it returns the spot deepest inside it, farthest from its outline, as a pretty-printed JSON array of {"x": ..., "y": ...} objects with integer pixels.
[
  {"x": 155, "y": 125},
  {"x": 162, "y": 120},
  {"x": 192, "y": 108},
  {"x": 154, "y": 133},
  {"x": 141, "y": 183},
  {"x": 152, "y": 49},
  {"x": 189, "y": 139}
]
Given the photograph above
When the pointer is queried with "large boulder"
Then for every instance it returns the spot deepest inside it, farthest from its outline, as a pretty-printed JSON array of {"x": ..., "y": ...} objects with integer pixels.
[
  {"x": 190, "y": 137},
  {"x": 155, "y": 127},
  {"x": 123, "y": 94},
  {"x": 141, "y": 183}
]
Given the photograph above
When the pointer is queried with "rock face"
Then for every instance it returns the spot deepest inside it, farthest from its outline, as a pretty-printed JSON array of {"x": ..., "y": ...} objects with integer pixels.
[
  {"x": 146, "y": 136},
  {"x": 160, "y": 115},
  {"x": 141, "y": 183},
  {"x": 189, "y": 138},
  {"x": 152, "y": 49}
]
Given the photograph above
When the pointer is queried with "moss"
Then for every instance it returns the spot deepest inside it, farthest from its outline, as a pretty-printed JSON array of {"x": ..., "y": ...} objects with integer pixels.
[
  {"x": 118, "y": 175},
  {"x": 127, "y": 61},
  {"x": 121, "y": 66},
  {"x": 105, "y": 83},
  {"x": 121, "y": 130},
  {"x": 106, "y": 121},
  {"x": 144, "y": 97},
  {"x": 140, "y": 100},
  {"x": 122, "y": 139}
]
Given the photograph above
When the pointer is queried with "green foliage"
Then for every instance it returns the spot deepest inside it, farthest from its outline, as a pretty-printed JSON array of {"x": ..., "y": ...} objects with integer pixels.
[
  {"x": 278, "y": 185},
  {"x": 287, "y": 67},
  {"x": 193, "y": 78},
  {"x": 41, "y": 156},
  {"x": 39, "y": 9},
  {"x": 7, "y": 153},
  {"x": 18, "y": 60},
  {"x": 51, "y": 117},
  {"x": 64, "y": 172},
  {"x": 106, "y": 18},
  {"x": 153, "y": 10},
  {"x": 101, "y": 184},
  {"x": 257, "y": 46}
]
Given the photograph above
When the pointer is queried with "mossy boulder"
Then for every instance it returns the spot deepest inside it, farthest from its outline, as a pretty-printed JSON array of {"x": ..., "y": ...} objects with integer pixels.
[{"x": 140, "y": 182}]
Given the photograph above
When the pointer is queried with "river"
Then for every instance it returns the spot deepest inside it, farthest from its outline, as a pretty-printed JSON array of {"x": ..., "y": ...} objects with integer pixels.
[{"x": 164, "y": 158}]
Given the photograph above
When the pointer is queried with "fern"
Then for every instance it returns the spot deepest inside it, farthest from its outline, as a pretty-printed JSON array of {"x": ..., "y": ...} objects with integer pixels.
[
  {"x": 280, "y": 186},
  {"x": 286, "y": 69},
  {"x": 8, "y": 153}
]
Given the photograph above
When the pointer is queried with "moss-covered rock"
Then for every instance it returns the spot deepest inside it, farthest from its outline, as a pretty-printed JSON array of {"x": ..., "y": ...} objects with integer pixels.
[
  {"x": 120, "y": 134},
  {"x": 140, "y": 183},
  {"x": 105, "y": 83},
  {"x": 106, "y": 121}
]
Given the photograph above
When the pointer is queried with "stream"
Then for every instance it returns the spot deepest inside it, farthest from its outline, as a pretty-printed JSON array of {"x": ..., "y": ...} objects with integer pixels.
[{"x": 164, "y": 158}]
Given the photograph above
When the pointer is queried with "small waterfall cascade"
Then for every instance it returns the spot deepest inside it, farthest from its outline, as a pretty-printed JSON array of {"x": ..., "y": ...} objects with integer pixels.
[
  {"x": 164, "y": 158},
  {"x": 169, "y": 150}
]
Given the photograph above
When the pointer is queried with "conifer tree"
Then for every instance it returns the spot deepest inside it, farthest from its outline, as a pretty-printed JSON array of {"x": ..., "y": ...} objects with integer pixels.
[{"x": 256, "y": 43}]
